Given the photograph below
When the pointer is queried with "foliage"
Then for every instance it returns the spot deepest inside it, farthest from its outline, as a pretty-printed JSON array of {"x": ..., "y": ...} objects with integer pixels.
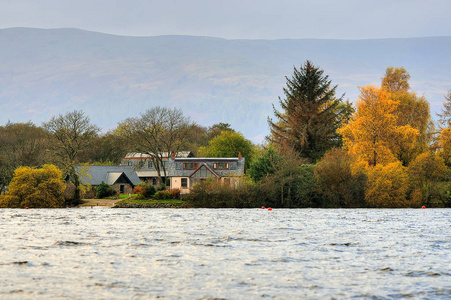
[
  {"x": 157, "y": 132},
  {"x": 144, "y": 190},
  {"x": 340, "y": 179},
  {"x": 214, "y": 194},
  {"x": 70, "y": 135},
  {"x": 396, "y": 80},
  {"x": 387, "y": 186},
  {"x": 424, "y": 173},
  {"x": 411, "y": 110},
  {"x": 445, "y": 144},
  {"x": 103, "y": 190},
  {"x": 374, "y": 134},
  {"x": 37, "y": 188},
  {"x": 263, "y": 165},
  {"x": 175, "y": 193},
  {"x": 229, "y": 144},
  {"x": 105, "y": 150},
  {"x": 163, "y": 195},
  {"x": 308, "y": 121},
  {"x": 21, "y": 144},
  {"x": 291, "y": 185}
]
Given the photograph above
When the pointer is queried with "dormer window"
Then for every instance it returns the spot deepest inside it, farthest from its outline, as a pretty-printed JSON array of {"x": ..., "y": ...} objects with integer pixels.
[
  {"x": 221, "y": 165},
  {"x": 190, "y": 166}
]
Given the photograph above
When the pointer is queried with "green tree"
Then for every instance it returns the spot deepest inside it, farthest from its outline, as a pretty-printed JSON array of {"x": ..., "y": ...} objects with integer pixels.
[
  {"x": 229, "y": 144},
  {"x": 37, "y": 188},
  {"x": 69, "y": 135},
  {"x": 263, "y": 165},
  {"x": 308, "y": 121}
]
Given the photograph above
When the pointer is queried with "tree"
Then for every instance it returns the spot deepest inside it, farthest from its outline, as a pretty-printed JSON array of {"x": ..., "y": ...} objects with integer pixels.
[
  {"x": 387, "y": 186},
  {"x": 445, "y": 145},
  {"x": 374, "y": 134},
  {"x": 263, "y": 165},
  {"x": 70, "y": 134},
  {"x": 308, "y": 121},
  {"x": 396, "y": 80},
  {"x": 424, "y": 173},
  {"x": 445, "y": 116},
  {"x": 21, "y": 144},
  {"x": 229, "y": 144},
  {"x": 411, "y": 110},
  {"x": 341, "y": 179},
  {"x": 157, "y": 132},
  {"x": 37, "y": 188}
]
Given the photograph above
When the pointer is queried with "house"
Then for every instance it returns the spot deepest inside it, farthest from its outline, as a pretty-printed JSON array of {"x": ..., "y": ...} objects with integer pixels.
[
  {"x": 144, "y": 167},
  {"x": 187, "y": 172},
  {"x": 122, "y": 179}
]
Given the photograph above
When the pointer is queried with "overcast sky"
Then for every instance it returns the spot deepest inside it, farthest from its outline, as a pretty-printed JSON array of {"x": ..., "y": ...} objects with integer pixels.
[{"x": 242, "y": 19}]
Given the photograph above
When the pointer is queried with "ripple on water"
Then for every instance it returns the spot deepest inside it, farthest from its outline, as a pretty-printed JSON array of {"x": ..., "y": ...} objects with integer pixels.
[{"x": 225, "y": 253}]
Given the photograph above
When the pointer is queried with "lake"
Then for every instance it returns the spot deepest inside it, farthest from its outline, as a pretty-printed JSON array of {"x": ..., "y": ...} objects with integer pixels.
[{"x": 102, "y": 253}]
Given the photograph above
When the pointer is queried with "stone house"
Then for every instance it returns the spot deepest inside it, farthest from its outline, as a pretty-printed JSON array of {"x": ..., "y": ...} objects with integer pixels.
[{"x": 122, "y": 179}]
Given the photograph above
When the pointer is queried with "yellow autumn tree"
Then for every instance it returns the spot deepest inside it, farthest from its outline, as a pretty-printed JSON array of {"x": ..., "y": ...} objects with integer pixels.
[
  {"x": 36, "y": 188},
  {"x": 387, "y": 186},
  {"x": 373, "y": 134},
  {"x": 411, "y": 110}
]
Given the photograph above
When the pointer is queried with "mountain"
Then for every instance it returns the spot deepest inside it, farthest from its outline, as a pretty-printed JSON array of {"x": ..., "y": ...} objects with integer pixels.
[{"x": 45, "y": 72}]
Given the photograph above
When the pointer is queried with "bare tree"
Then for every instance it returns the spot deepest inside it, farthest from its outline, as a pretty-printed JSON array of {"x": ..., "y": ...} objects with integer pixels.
[
  {"x": 157, "y": 132},
  {"x": 70, "y": 134}
]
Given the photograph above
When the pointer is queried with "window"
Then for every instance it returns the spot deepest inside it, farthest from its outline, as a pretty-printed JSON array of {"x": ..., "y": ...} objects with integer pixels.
[
  {"x": 221, "y": 165},
  {"x": 130, "y": 163},
  {"x": 165, "y": 164},
  {"x": 149, "y": 165},
  {"x": 184, "y": 182},
  {"x": 189, "y": 165}
]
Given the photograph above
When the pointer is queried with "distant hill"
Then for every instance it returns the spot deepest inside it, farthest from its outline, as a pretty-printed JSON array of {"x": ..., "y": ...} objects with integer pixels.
[{"x": 44, "y": 72}]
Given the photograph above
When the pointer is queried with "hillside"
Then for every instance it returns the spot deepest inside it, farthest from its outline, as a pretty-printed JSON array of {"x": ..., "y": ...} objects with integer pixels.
[{"x": 47, "y": 72}]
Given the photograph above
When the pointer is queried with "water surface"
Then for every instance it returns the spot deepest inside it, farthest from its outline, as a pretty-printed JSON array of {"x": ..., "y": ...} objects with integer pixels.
[{"x": 225, "y": 253}]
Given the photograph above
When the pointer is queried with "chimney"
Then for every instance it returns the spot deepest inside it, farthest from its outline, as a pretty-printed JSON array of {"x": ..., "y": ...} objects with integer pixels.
[
  {"x": 173, "y": 155},
  {"x": 239, "y": 156}
]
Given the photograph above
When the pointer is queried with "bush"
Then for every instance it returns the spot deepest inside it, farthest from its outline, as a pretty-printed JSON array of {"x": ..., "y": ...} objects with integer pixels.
[
  {"x": 144, "y": 190},
  {"x": 212, "y": 194},
  {"x": 103, "y": 190},
  {"x": 175, "y": 193},
  {"x": 37, "y": 188},
  {"x": 163, "y": 195}
]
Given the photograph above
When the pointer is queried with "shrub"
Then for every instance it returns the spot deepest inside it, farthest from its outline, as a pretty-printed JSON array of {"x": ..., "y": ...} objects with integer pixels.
[
  {"x": 103, "y": 190},
  {"x": 37, "y": 188},
  {"x": 163, "y": 195},
  {"x": 175, "y": 193},
  {"x": 212, "y": 194}
]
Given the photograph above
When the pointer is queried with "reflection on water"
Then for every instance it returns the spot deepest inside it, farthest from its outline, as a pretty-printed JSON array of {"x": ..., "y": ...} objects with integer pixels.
[{"x": 225, "y": 253}]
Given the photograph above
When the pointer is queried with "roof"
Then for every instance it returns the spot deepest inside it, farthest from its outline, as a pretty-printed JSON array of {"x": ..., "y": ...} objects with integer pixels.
[
  {"x": 139, "y": 155},
  {"x": 94, "y": 175}
]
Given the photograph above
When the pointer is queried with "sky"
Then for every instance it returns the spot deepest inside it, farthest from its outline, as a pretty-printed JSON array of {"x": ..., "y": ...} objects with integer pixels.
[{"x": 237, "y": 19}]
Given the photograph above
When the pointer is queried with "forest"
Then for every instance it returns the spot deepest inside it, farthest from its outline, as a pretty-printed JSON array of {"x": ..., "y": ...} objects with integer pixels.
[{"x": 382, "y": 150}]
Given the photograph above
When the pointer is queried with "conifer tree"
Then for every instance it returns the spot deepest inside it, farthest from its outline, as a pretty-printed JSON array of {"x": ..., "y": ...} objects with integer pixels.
[{"x": 308, "y": 120}]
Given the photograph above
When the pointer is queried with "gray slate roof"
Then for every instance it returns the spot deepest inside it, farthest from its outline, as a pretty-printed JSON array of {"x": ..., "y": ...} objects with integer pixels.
[{"x": 94, "y": 175}]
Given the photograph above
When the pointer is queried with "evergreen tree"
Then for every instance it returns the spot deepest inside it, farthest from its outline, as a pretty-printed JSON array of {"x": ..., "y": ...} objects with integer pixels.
[{"x": 308, "y": 120}]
